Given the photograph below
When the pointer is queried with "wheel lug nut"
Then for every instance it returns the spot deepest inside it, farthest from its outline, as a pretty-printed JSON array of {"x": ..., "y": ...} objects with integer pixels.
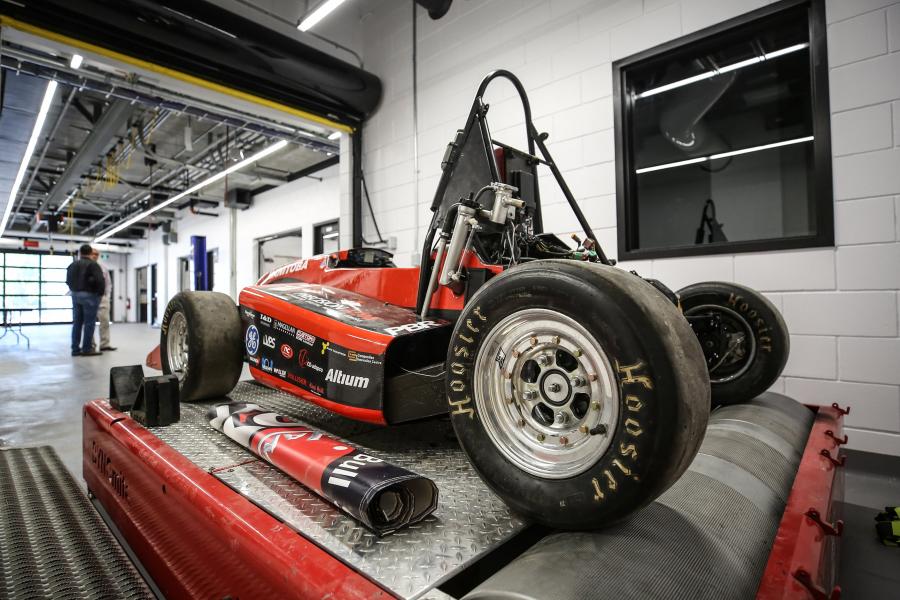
[
  {"x": 577, "y": 381},
  {"x": 529, "y": 394},
  {"x": 564, "y": 441},
  {"x": 577, "y": 352},
  {"x": 543, "y": 360},
  {"x": 541, "y": 437},
  {"x": 583, "y": 429},
  {"x": 554, "y": 387},
  {"x": 592, "y": 377},
  {"x": 556, "y": 340},
  {"x": 533, "y": 341},
  {"x": 595, "y": 406},
  {"x": 561, "y": 418},
  {"x": 521, "y": 422}
]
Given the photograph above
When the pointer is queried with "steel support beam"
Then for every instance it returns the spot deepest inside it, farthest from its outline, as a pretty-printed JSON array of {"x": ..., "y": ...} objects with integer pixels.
[{"x": 106, "y": 127}]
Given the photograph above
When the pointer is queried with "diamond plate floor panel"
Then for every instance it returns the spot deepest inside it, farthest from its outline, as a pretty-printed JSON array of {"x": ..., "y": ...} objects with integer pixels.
[
  {"x": 469, "y": 522},
  {"x": 53, "y": 544}
]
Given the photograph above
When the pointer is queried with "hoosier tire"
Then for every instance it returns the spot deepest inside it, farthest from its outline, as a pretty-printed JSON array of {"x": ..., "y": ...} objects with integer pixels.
[
  {"x": 747, "y": 354},
  {"x": 200, "y": 342},
  {"x": 578, "y": 392}
]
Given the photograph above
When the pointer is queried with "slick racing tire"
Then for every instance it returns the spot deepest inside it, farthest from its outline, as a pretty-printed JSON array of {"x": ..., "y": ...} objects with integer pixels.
[
  {"x": 746, "y": 345},
  {"x": 200, "y": 343},
  {"x": 577, "y": 391}
]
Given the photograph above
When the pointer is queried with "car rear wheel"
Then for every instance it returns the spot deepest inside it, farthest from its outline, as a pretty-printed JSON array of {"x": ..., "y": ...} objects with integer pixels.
[
  {"x": 744, "y": 339},
  {"x": 578, "y": 391},
  {"x": 200, "y": 343}
]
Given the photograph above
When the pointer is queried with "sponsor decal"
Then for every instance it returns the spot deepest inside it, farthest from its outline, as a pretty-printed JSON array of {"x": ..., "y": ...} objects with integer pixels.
[
  {"x": 307, "y": 338},
  {"x": 268, "y": 341},
  {"x": 249, "y": 313},
  {"x": 411, "y": 327},
  {"x": 265, "y": 320},
  {"x": 287, "y": 351},
  {"x": 284, "y": 327},
  {"x": 267, "y": 364},
  {"x": 341, "y": 378},
  {"x": 324, "y": 302},
  {"x": 303, "y": 361},
  {"x": 251, "y": 340},
  {"x": 325, "y": 346},
  {"x": 354, "y": 356},
  {"x": 280, "y": 372},
  {"x": 254, "y": 360},
  {"x": 300, "y": 265}
]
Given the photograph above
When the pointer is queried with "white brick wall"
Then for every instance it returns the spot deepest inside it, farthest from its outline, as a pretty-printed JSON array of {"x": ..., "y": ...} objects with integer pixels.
[{"x": 841, "y": 304}]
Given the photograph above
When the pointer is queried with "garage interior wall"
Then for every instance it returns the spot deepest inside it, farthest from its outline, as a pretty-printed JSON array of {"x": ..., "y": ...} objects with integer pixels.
[
  {"x": 840, "y": 303},
  {"x": 300, "y": 204}
]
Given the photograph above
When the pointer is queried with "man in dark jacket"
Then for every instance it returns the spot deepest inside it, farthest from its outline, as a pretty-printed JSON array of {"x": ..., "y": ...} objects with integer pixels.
[{"x": 85, "y": 280}]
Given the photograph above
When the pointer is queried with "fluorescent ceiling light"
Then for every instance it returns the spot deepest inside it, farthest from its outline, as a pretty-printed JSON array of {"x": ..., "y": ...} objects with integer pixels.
[
  {"x": 76, "y": 61},
  {"x": 699, "y": 159},
  {"x": 198, "y": 186},
  {"x": 720, "y": 70},
  {"x": 325, "y": 9},
  {"x": 335, "y": 135},
  {"x": 29, "y": 151},
  {"x": 330, "y": 236}
]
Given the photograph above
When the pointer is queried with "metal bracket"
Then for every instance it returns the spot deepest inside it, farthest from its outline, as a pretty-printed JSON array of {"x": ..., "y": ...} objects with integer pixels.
[
  {"x": 835, "y": 529},
  {"x": 837, "y": 441},
  {"x": 836, "y": 462},
  {"x": 841, "y": 411},
  {"x": 805, "y": 579}
]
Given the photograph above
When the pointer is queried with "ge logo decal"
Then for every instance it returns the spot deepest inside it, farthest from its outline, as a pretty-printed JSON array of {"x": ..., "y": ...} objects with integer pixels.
[{"x": 251, "y": 340}]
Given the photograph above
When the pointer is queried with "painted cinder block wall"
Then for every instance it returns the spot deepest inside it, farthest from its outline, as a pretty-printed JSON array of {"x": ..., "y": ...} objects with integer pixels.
[{"x": 841, "y": 304}]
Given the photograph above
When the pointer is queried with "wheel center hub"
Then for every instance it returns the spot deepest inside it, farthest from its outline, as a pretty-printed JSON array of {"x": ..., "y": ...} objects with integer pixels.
[{"x": 555, "y": 387}]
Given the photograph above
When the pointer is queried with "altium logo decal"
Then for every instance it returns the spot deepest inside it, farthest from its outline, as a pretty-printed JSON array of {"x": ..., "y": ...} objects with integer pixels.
[{"x": 338, "y": 376}]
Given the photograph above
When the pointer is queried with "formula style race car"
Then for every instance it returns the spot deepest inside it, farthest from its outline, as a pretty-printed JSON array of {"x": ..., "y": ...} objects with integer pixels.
[{"x": 578, "y": 390}]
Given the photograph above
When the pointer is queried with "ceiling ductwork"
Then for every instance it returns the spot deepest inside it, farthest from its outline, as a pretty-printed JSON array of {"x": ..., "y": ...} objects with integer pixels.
[{"x": 210, "y": 44}]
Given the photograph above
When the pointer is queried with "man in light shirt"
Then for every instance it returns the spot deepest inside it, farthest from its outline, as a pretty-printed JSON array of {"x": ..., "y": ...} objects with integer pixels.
[{"x": 103, "y": 311}]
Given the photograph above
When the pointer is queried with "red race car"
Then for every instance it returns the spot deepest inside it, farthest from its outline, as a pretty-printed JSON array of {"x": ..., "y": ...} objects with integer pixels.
[{"x": 578, "y": 390}]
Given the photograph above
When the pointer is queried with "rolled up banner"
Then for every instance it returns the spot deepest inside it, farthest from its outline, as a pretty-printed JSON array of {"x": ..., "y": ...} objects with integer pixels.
[{"x": 384, "y": 497}]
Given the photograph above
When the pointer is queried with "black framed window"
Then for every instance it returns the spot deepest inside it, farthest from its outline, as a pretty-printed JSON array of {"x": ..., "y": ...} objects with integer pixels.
[
  {"x": 326, "y": 238},
  {"x": 37, "y": 282},
  {"x": 723, "y": 141}
]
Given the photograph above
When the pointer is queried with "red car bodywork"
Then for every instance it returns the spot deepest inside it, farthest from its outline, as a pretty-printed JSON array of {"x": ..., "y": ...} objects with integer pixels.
[{"x": 314, "y": 318}]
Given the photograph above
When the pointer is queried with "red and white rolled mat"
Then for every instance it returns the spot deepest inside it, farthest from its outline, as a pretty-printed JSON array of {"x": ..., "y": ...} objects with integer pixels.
[{"x": 384, "y": 497}]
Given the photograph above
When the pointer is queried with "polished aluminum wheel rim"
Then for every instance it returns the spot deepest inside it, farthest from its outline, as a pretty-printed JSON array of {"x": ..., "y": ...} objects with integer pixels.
[
  {"x": 546, "y": 393},
  {"x": 177, "y": 345}
]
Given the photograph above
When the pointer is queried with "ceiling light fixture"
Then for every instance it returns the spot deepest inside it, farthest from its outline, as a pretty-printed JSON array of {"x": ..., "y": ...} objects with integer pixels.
[
  {"x": 699, "y": 159},
  {"x": 67, "y": 200},
  {"x": 325, "y": 9},
  {"x": 76, "y": 61},
  {"x": 720, "y": 70},
  {"x": 29, "y": 151},
  {"x": 198, "y": 186},
  {"x": 335, "y": 135}
]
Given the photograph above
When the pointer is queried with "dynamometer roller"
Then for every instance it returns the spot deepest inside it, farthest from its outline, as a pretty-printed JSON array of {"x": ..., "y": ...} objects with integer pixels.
[{"x": 579, "y": 391}]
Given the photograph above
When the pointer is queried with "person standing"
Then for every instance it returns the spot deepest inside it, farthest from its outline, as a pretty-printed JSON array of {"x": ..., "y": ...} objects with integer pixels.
[
  {"x": 85, "y": 280},
  {"x": 103, "y": 311}
]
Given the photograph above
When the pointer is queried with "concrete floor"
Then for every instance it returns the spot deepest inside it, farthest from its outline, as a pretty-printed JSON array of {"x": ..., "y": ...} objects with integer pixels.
[{"x": 43, "y": 389}]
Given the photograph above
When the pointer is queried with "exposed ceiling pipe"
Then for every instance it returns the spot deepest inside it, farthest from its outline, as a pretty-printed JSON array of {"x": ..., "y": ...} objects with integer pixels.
[{"x": 112, "y": 120}]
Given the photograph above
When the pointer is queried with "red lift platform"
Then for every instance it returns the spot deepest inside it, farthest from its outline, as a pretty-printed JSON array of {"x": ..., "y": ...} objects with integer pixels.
[{"x": 207, "y": 519}]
